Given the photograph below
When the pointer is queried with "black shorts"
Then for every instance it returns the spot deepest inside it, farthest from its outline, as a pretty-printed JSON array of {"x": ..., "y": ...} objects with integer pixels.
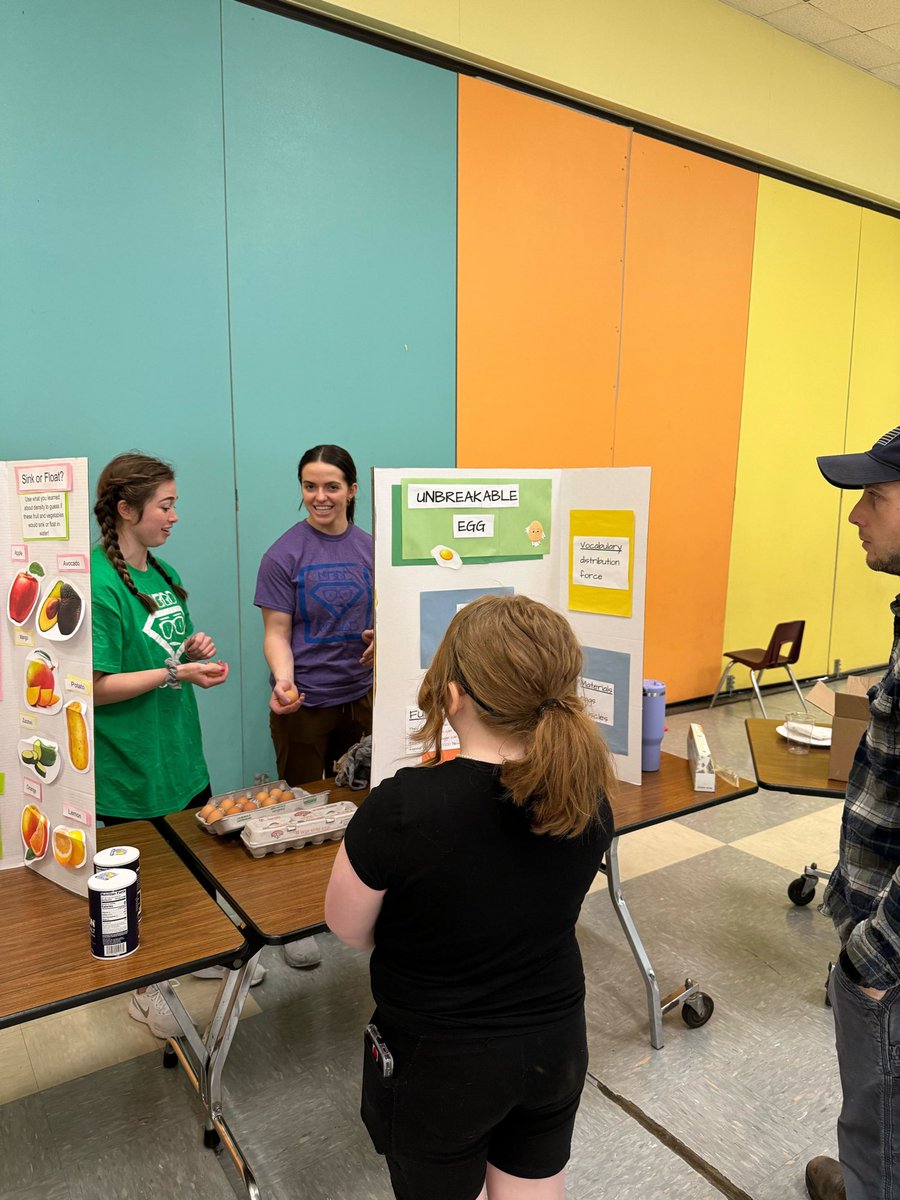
[{"x": 454, "y": 1105}]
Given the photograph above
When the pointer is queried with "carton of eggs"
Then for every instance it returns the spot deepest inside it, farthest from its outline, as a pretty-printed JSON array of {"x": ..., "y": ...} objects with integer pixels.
[{"x": 223, "y": 814}]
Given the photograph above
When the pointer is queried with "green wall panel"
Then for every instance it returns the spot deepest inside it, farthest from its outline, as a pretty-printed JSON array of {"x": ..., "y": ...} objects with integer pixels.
[
  {"x": 341, "y": 193},
  {"x": 113, "y": 320}
]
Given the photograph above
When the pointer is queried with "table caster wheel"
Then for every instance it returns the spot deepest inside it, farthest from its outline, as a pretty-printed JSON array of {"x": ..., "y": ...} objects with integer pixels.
[
  {"x": 211, "y": 1138},
  {"x": 697, "y": 1011},
  {"x": 170, "y": 1058},
  {"x": 801, "y": 891}
]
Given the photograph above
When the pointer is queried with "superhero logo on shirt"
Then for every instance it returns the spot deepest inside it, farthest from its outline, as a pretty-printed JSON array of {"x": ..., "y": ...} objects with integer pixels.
[
  {"x": 334, "y": 601},
  {"x": 167, "y": 626}
]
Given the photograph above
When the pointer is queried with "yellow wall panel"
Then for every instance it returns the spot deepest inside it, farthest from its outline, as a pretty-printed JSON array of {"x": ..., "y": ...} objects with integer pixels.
[
  {"x": 861, "y": 632},
  {"x": 795, "y": 398},
  {"x": 695, "y": 66}
]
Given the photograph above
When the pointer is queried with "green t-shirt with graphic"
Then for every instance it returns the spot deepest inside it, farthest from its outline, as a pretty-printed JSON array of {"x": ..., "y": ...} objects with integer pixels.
[{"x": 149, "y": 754}]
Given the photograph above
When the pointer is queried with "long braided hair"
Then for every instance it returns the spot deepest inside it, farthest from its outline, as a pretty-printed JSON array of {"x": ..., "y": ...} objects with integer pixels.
[{"x": 134, "y": 478}]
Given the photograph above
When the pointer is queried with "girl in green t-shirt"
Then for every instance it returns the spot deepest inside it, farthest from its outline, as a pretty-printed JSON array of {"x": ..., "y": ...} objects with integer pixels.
[{"x": 149, "y": 753}]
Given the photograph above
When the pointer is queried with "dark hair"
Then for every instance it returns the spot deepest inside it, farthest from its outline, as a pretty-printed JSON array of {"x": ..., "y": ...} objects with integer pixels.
[
  {"x": 335, "y": 456},
  {"x": 520, "y": 663},
  {"x": 131, "y": 477}
]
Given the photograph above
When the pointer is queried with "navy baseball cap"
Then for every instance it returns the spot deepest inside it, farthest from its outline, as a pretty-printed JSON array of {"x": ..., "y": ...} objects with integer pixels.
[{"x": 881, "y": 464}]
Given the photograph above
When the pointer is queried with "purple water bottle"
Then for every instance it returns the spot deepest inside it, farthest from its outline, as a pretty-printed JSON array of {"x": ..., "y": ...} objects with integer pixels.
[{"x": 654, "y": 723}]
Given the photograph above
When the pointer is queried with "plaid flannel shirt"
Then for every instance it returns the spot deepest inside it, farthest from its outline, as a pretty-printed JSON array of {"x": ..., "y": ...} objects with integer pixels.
[{"x": 863, "y": 893}]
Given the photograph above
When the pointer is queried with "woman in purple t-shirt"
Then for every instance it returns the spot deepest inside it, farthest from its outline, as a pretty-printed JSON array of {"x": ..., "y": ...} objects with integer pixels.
[{"x": 315, "y": 590}]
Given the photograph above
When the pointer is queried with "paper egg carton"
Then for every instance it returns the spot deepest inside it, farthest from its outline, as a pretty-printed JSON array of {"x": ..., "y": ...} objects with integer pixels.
[
  {"x": 302, "y": 799},
  {"x": 288, "y": 831}
]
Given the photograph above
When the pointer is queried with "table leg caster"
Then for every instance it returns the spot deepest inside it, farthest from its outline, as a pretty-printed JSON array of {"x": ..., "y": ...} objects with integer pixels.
[
  {"x": 801, "y": 891},
  {"x": 170, "y": 1058},
  {"x": 211, "y": 1138},
  {"x": 697, "y": 1010}
]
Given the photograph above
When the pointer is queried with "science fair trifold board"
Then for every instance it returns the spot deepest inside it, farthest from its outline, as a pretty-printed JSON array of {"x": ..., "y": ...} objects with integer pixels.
[
  {"x": 573, "y": 539},
  {"x": 47, "y": 811}
]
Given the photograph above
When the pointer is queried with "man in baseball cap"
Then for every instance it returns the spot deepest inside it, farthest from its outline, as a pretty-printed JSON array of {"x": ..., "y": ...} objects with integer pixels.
[
  {"x": 863, "y": 894},
  {"x": 881, "y": 464}
]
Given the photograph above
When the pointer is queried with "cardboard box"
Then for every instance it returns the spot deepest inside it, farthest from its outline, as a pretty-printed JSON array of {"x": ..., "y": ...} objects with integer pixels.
[
  {"x": 849, "y": 712},
  {"x": 702, "y": 770}
]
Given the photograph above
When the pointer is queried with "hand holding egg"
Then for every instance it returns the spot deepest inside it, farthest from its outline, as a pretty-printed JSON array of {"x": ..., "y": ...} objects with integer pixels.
[{"x": 285, "y": 698}]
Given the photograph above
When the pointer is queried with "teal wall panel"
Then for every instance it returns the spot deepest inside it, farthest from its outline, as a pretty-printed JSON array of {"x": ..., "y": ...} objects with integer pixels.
[
  {"x": 113, "y": 314},
  {"x": 341, "y": 202}
]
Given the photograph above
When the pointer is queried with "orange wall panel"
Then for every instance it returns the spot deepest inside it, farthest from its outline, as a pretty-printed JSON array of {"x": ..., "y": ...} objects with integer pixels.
[
  {"x": 688, "y": 258},
  {"x": 541, "y": 230}
]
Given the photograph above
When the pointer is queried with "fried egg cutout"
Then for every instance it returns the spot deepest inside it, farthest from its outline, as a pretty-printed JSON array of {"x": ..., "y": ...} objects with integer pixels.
[{"x": 445, "y": 557}]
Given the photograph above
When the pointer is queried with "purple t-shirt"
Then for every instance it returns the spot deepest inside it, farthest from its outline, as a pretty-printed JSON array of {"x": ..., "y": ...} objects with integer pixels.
[{"x": 325, "y": 583}]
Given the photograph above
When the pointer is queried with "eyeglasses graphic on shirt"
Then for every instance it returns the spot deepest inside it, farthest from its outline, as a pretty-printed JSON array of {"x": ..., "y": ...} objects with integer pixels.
[{"x": 173, "y": 627}]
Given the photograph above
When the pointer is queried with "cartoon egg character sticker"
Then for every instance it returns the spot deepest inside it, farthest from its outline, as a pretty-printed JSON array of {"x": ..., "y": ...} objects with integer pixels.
[
  {"x": 535, "y": 533},
  {"x": 445, "y": 557}
]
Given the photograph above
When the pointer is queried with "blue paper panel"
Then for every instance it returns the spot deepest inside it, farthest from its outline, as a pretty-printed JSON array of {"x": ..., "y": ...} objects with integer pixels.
[
  {"x": 611, "y": 667},
  {"x": 437, "y": 610}
]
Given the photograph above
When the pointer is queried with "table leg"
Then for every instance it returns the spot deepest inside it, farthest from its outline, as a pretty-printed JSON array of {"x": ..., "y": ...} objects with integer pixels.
[
  {"x": 698, "y": 1006},
  {"x": 204, "y": 1058}
]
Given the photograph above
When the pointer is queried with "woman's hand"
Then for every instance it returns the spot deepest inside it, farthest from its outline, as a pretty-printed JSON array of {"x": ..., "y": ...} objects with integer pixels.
[
  {"x": 199, "y": 646},
  {"x": 285, "y": 698},
  {"x": 368, "y": 636},
  {"x": 203, "y": 674}
]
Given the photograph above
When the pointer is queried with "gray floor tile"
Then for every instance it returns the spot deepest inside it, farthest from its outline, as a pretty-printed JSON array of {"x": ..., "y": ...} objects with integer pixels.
[
  {"x": 114, "y": 1106},
  {"x": 166, "y": 1161},
  {"x": 758, "y": 1082},
  {"x": 290, "y": 1132},
  {"x": 353, "y": 1171},
  {"x": 29, "y": 1157},
  {"x": 49, "y": 1189},
  {"x": 633, "y": 1164},
  {"x": 752, "y": 814}
]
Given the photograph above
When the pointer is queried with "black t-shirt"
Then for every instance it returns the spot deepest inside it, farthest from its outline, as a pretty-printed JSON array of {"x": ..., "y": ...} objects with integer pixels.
[{"x": 476, "y": 935}]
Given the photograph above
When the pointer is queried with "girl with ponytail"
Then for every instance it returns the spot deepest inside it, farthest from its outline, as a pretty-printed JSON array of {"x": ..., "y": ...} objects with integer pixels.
[
  {"x": 465, "y": 879},
  {"x": 147, "y": 661}
]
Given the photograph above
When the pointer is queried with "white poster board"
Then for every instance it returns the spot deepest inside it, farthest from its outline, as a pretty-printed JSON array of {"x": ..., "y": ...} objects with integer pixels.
[
  {"x": 47, "y": 809},
  {"x": 575, "y": 539}
]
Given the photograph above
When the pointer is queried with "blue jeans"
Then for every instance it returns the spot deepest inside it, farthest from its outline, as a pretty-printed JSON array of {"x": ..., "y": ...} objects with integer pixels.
[{"x": 867, "y": 1037}]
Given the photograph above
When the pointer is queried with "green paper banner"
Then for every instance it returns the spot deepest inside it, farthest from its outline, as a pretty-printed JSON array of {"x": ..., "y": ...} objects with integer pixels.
[{"x": 483, "y": 519}]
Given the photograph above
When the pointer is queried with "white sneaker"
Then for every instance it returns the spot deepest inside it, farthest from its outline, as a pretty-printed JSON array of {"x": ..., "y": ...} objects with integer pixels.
[
  {"x": 259, "y": 974},
  {"x": 302, "y": 953},
  {"x": 150, "y": 1007}
]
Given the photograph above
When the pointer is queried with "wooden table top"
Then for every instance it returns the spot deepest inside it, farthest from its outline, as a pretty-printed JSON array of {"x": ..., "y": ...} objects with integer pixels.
[
  {"x": 282, "y": 896},
  {"x": 778, "y": 770},
  {"x": 669, "y": 793},
  {"x": 45, "y": 944}
]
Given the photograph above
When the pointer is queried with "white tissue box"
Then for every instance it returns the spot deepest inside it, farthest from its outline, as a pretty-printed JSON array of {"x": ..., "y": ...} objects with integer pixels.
[{"x": 702, "y": 770}]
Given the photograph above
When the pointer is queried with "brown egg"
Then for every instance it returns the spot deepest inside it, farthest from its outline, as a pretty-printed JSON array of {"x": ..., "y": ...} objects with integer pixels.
[
  {"x": 267, "y": 803},
  {"x": 226, "y": 805},
  {"x": 215, "y": 815},
  {"x": 261, "y": 796},
  {"x": 287, "y": 794},
  {"x": 204, "y": 812}
]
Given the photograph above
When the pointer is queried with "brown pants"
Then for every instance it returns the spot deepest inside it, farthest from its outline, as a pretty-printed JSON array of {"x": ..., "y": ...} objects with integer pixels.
[{"x": 308, "y": 742}]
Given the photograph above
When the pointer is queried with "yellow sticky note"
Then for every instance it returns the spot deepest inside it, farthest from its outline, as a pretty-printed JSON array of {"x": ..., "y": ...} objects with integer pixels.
[{"x": 601, "y": 561}]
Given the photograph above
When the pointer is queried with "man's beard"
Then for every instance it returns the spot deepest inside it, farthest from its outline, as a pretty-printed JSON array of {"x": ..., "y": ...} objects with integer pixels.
[{"x": 889, "y": 565}]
